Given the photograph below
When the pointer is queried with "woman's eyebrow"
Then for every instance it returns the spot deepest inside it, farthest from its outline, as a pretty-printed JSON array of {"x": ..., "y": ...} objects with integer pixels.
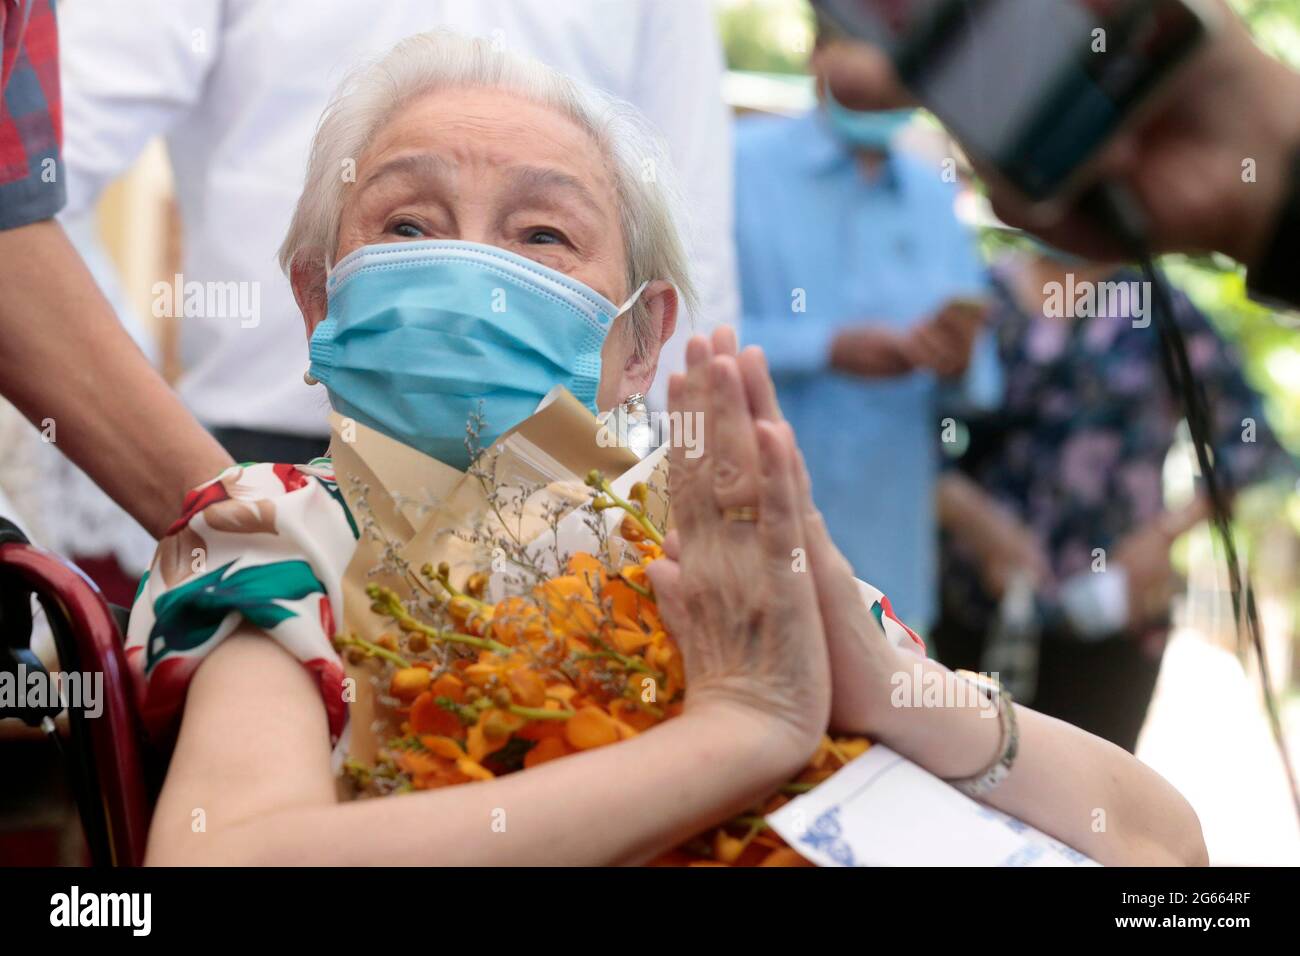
[
  {"x": 418, "y": 167},
  {"x": 545, "y": 184}
]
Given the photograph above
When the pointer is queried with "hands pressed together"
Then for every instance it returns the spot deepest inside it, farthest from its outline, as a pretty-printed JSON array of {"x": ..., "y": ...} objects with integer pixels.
[{"x": 766, "y": 610}]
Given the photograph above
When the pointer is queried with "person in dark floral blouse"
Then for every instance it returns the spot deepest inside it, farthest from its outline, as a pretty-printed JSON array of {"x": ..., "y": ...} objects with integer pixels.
[{"x": 1060, "y": 493}]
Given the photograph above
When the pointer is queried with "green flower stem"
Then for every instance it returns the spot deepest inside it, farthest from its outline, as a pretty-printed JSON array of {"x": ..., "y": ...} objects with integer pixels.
[
  {"x": 455, "y": 637},
  {"x": 374, "y": 650},
  {"x": 755, "y": 829},
  {"x": 443, "y": 577},
  {"x": 540, "y": 713},
  {"x": 644, "y": 592},
  {"x": 633, "y": 698},
  {"x": 465, "y": 713},
  {"x": 596, "y": 480},
  {"x": 629, "y": 663},
  {"x": 386, "y": 602}
]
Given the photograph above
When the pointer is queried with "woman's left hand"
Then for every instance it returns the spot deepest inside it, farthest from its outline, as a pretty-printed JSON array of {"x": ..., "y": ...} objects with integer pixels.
[
  {"x": 862, "y": 661},
  {"x": 1062, "y": 773}
]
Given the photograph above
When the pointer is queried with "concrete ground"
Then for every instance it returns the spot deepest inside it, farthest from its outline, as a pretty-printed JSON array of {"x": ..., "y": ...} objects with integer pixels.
[{"x": 1208, "y": 735}]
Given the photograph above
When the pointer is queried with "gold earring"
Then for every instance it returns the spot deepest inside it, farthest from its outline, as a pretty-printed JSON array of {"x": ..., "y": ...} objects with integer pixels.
[{"x": 310, "y": 379}]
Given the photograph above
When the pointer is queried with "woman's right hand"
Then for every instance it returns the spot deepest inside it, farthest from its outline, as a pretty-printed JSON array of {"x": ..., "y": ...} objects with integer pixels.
[{"x": 736, "y": 597}]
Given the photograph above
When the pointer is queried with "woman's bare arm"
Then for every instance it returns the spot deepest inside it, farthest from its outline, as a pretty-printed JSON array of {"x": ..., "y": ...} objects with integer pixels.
[
  {"x": 252, "y": 759},
  {"x": 1081, "y": 789},
  {"x": 253, "y": 756},
  {"x": 1077, "y": 787}
]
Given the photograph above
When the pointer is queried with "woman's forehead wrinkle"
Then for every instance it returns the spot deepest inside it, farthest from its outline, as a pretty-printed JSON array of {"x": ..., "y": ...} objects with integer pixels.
[
  {"x": 545, "y": 183},
  {"x": 413, "y": 166}
]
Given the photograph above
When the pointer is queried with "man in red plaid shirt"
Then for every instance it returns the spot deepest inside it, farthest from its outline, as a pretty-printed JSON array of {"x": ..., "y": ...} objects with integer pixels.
[
  {"x": 31, "y": 174},
  {"x": 65, "y": 361}
]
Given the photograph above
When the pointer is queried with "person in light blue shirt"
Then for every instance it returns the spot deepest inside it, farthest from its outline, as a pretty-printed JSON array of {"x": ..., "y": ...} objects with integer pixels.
[{"x": 864, "y": 292}]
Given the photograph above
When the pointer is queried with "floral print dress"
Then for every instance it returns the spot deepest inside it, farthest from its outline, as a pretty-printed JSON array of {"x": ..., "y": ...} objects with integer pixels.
[
  {"x": 268, "y": 544},
  {"x": 262, "y": 543}
]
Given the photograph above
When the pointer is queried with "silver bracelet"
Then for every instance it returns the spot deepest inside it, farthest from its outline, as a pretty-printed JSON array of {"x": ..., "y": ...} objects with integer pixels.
[{"x": 997, "y": 771}]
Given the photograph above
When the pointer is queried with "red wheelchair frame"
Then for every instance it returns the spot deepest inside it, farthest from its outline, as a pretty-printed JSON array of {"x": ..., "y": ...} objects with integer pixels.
[{"x": 108, "y": 760}]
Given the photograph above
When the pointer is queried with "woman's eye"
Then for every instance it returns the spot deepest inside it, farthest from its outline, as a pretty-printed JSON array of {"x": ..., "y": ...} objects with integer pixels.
[
  {"x": 545, "y": 237},
  {"x": 407, "y": 230}
]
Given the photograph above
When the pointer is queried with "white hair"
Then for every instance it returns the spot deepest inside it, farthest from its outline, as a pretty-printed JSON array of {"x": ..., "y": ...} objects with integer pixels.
[{"x": 649, "y": 203}]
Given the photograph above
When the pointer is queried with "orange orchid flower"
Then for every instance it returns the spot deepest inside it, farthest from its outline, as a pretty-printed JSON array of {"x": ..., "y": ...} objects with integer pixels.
[{"x": 587, "y": 662}]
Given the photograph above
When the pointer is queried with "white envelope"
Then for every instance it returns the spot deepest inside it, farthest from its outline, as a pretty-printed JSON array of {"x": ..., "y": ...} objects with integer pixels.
[{"x": 884, "y": 810}]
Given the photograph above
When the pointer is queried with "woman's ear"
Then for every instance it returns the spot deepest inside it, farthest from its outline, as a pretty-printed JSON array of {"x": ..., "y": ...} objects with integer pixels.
[
  {"x": 307, "y": 276},
  {"x": 662, "y": 304}
]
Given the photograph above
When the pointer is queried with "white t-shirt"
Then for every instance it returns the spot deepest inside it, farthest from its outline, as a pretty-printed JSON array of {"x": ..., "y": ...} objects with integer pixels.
[{"x": 237, "y": 87}]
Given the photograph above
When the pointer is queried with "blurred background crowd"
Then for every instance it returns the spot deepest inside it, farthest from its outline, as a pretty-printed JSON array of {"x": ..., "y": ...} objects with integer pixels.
[{"x": 1012, "y": 473}]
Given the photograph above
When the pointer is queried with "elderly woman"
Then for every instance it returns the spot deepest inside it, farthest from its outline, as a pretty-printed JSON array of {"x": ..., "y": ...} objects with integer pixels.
[{"x": 468, "y": 223}]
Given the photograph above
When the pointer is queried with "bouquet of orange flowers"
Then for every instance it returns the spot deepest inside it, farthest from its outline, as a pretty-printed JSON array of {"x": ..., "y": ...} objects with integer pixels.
[{"x": 578, "y": 660}]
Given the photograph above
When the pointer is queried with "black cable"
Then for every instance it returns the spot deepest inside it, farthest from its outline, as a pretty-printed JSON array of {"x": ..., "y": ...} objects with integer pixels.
[{"x": 1124, "y": 218}]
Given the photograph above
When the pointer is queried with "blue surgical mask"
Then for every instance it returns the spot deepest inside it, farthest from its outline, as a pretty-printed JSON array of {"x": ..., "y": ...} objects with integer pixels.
[
  {"x": 865, "y": 130},
  {"x": 418, "y": 334}
]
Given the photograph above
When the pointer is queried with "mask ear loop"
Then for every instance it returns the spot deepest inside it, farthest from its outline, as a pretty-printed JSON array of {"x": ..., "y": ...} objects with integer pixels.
[
  {"x": 307, "y": 377},
  {"x": 631, "y": 300}
]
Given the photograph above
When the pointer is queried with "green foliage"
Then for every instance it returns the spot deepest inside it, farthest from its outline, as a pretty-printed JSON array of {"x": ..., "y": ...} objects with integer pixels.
[
  {"x": 1275, "y": 25},
  {"x": 1269, "y": 342},
  {"x": 766, "y": 36}
]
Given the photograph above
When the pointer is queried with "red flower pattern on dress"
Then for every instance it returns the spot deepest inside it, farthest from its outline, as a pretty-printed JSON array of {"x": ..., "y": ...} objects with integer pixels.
[
  {"x": 329, "y": 678},
  {"x": 197, "y": 500},
  {"x": 160, "y": 696},
  {"x": 888, "y": 611},
  {"x": 290, "y": 476}
]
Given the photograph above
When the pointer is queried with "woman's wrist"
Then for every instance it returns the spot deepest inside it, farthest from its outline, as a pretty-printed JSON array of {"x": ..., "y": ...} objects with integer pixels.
[
  {"x": 938, "y": 720},
  {"x": 865, "y": 674},
  {"x": 770, "y": 749}
]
